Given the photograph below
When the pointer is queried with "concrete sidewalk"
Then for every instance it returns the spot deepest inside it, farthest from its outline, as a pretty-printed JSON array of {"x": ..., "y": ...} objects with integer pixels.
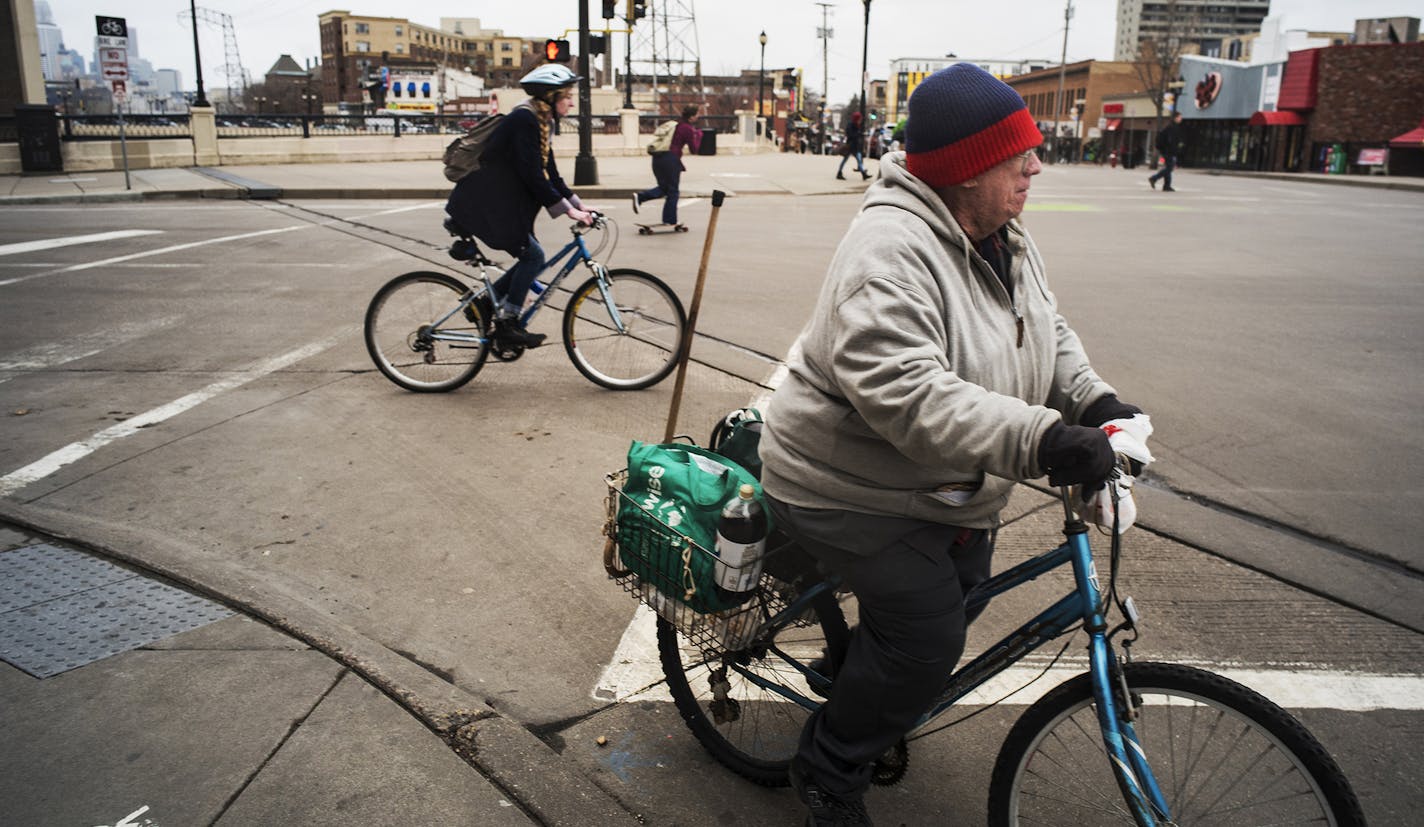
[
  {"x": 618, "y": 177},
  {"x": 131, "y": 699}
]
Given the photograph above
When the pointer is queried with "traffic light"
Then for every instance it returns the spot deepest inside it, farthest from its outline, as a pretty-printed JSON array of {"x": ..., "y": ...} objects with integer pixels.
[
  {"x": 557, "y": 51},
  {"x": 610, "y": 9},
  {"x": 597, "y": 44},
  {"x": 637, "y": 9}
]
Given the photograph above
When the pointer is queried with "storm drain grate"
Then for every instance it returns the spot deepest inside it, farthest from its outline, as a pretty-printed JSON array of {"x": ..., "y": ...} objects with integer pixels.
[{"x": 61, "y": 609}]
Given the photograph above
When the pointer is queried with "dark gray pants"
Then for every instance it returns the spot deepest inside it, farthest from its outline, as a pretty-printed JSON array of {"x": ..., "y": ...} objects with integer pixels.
[{"x": 909, "y": 578}]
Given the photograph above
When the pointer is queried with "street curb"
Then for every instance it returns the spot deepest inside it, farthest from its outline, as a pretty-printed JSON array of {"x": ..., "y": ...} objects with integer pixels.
[
  {"x": 504, "y": 752},
  {"x": 1383, "y": 183}
]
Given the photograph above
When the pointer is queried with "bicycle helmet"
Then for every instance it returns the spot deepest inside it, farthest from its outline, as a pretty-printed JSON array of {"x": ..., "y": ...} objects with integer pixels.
[{"x": 549, "y": 78}]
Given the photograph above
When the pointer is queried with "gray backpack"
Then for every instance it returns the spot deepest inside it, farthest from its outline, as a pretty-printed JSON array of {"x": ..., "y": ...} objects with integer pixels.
[{"x": 462, "y": 156}]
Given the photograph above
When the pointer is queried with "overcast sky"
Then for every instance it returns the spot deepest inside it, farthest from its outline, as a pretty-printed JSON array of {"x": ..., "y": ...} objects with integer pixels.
[{"x": 726, "y": 31}]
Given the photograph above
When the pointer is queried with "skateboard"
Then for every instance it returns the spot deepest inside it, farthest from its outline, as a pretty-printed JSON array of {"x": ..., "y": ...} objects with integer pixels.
[{"x": 649, "y": 229}]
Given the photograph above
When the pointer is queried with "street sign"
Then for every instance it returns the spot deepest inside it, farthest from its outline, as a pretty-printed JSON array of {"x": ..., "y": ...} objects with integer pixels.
[
  {"x": 111, "y": 26},
  {"x": 115, "y": 71},
  {"x": 112, "y": 42},
  {"x": 119, "y": 89}
]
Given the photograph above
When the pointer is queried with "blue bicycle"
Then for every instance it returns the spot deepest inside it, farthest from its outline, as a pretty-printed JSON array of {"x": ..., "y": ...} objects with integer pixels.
[
  {"x": 1126, "y": 743},
  {"x": 431, "y": 332}
]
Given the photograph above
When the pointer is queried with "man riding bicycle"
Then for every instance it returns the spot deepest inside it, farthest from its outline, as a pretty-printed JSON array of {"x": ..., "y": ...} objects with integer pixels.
[{"x": 934, "y": 374}]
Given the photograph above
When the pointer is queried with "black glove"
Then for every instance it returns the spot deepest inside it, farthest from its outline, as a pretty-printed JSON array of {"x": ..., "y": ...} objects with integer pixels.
[
  {"x": 1076, "y": 455},
  {"x": 1106, "y": 409}
]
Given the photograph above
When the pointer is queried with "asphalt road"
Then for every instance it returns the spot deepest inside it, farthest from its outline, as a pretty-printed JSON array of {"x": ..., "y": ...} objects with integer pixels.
[{"x": 205, "y": 383}]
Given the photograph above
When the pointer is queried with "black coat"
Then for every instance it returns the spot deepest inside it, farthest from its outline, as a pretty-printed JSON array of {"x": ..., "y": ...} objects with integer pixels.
[
  {"x": 1169, "y": 140},
  {"x": 498, "y": 202}
]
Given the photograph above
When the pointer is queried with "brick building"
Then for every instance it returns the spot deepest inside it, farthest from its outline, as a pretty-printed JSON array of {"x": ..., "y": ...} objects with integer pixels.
[
  {"x": 1294, "y": 116},
  {"x": 1078, "y": 115},
  {"x": 354, "y": 49}
]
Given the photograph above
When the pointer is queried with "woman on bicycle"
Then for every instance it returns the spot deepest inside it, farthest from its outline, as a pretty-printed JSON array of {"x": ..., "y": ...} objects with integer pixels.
[
  {"x": 935, "y": 372},
  {"x": 498, "y": 202}
]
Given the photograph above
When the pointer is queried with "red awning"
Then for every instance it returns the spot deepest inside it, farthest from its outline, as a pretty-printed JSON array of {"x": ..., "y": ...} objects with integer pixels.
[
  {"x": 1113, "y": 124},
  {"x": 1277, "y": 119},
  {"x": 1413, "y": 139},
  {"x": 1298, "y": 82}
]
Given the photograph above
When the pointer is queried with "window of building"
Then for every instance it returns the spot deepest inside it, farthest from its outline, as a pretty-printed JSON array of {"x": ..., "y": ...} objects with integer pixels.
[
  {"x": 363, "y": 28},
  {"x": 506, "y": 61},
  {"x": 400, "y": 30},
  {"x": 504, "y": 47},
  {"x": 363, "y": 45},
  {"x": 400, "y": 48}
]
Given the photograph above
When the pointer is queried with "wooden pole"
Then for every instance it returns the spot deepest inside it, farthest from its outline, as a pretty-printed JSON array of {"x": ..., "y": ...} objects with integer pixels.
[{"x": 717, "y": 197}]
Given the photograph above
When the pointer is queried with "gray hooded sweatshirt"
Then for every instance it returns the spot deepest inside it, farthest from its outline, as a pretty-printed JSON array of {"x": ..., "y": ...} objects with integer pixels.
[{"x": 920, "y": 388}]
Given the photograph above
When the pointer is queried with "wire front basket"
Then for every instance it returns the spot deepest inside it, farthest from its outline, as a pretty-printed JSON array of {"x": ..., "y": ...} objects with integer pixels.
[{"x": 655, "y": 565}]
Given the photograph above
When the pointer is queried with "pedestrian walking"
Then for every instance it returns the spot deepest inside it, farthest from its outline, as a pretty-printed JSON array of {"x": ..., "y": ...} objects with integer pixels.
[
  {"x": 1169, "y": 146},
  {"x": 852, "y": 146},
  {"x": 935, "y": 372},
  {"x": 668, "y": 168}
]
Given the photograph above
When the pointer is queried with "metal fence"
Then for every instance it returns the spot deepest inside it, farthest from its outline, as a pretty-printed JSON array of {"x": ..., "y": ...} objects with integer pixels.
[{"x": 106, "y": 127}]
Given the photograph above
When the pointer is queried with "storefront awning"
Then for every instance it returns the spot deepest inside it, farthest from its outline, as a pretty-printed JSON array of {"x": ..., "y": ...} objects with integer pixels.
[
  {"x": 1277, "y": 119},
  {"x": 1113, "y": 125},
  {"x": 1413, "y": 139}
]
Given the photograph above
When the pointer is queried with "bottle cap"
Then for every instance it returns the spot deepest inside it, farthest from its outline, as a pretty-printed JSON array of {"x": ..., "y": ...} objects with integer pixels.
[{"x": 746, "y": 492}]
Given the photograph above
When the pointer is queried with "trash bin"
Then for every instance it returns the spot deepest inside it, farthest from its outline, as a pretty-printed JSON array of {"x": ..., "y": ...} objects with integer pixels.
[
  {"x": 37, "y": 128},
  {"x": 709, "y": 142}
]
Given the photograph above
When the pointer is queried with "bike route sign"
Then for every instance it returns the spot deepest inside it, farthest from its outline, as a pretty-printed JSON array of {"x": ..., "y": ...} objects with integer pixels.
[{"x": 114, "y": 53}]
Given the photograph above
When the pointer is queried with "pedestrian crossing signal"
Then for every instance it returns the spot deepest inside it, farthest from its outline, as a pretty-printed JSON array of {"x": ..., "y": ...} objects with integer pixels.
[{"x": 557, "y": 51}]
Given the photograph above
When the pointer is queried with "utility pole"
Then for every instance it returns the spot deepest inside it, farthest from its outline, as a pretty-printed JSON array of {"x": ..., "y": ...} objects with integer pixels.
[
  {"x": 585, "y": 165},
  {"x": 865, "y": 74},
  {"x": 825, "y": 33},
  {"x": 1058, "y": 99}
]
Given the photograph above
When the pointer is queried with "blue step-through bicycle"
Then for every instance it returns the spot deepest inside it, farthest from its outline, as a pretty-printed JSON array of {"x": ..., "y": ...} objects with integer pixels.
[
  {"x": 1125, "y": 743},
  {"x": 432, "y": 332}
]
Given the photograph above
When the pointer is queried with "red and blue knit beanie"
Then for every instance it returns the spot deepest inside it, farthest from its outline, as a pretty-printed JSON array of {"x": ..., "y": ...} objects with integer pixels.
[{"x": 963, "y": 121}]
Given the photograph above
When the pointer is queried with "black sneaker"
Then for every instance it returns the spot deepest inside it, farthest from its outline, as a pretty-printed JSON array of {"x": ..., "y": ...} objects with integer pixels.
[
  {"x": 825, "y": 809},
  {"x": 511, "y": 332}
]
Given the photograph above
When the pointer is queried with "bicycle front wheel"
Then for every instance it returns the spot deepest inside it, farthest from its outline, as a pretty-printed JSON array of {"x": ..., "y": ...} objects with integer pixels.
[
  {"x": 1221, "y": 754},
  {"x": 751, "y": 730},
  {"x": 405, "y": 343},
  {"x": 635, "y": 349}
]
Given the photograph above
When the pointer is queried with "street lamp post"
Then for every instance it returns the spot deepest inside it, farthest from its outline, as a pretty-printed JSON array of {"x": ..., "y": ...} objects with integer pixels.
[
  {"x": 864, "y": 77},
  {"x": 202, "y": 99},
  {"x": 761, "y": 79}
]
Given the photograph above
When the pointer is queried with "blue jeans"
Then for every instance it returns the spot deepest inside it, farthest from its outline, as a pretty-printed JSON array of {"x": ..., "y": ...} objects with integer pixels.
[
  {"x": 1165, "y": 173},
  {"x": 513, "y": 286},
  {"x": 667, "y": 170},
  {"x": 859, "y": 162}
]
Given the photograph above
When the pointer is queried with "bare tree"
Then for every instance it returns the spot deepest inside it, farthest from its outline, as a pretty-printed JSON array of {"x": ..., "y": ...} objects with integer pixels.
[{"x": 1158, "y": 62}]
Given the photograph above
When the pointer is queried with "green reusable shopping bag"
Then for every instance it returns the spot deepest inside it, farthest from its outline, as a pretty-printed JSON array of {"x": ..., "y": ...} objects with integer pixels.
[{"x": 674, "y": 493}]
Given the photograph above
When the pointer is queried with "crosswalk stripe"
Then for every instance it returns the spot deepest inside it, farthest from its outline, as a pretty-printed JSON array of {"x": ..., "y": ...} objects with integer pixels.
[{"x": 67, "y": 241}]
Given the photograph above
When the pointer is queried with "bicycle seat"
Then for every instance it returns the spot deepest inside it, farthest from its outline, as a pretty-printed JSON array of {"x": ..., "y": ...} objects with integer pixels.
[{"x": 455, "y": 229}]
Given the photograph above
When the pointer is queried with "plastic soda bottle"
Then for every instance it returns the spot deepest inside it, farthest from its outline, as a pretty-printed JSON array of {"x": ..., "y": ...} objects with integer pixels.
[{"x": 741, "y": 544}]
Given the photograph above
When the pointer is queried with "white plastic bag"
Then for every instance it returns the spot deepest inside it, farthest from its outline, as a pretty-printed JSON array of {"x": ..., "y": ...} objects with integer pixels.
[{"x": 1127, "y": 437}]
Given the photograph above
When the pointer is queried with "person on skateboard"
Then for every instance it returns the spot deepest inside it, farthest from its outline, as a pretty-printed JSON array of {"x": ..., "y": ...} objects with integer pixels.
[{"x": 668, "y": 168}]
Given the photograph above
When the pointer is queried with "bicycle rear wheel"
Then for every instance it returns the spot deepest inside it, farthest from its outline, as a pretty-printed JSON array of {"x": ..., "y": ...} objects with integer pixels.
[
  {"x": 759, "y": 737},
  {"x": 644, "y": 351},
  {"x": 1221, "y": 753},
  {"x": 399, "y": 326}
]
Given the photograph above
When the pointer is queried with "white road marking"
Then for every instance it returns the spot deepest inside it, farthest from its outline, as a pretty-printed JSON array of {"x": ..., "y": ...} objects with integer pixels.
[
  {"x": 74, "y": 348},
  {"x": 43, "y": 467},
  {"x": 160, "y": 251},
  {"x": 401, "y": 209},
  {"x": 67, "y": 241},
  {"x": 636, "y": 672}
]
